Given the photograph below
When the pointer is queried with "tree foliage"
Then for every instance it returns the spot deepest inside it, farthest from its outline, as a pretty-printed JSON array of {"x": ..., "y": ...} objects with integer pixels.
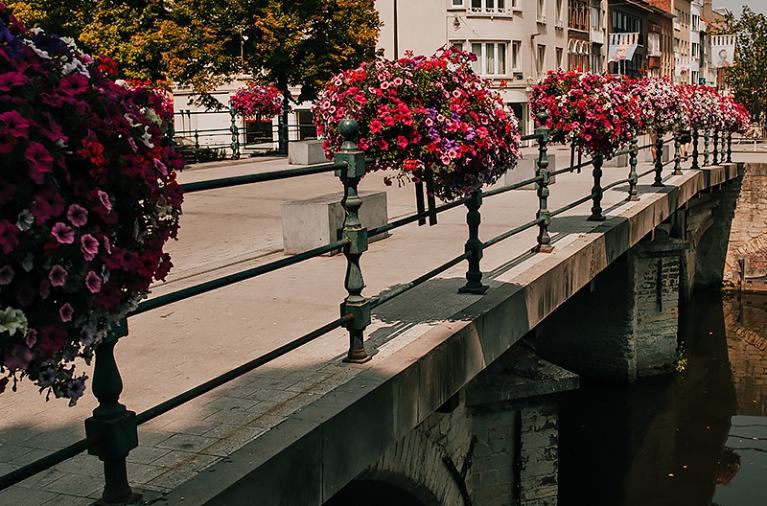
[
  {"x": 748, "y": 75},
  {"x": 204, "y": 43}
]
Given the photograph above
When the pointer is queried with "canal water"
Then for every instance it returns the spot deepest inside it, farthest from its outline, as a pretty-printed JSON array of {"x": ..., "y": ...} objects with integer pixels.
[{"x": 695, "y": 438}]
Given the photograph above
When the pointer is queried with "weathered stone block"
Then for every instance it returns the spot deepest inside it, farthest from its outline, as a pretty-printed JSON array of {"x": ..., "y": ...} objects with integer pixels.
[
  {"x": 306, "y": 153},
  {"x": 311, "y": 223}
]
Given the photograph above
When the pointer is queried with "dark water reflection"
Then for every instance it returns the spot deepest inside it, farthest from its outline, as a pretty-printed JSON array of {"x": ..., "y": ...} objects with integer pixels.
[{"x": 695, "y": 438}]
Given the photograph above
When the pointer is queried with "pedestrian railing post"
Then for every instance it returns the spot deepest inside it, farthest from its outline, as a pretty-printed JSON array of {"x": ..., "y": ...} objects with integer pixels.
[
  {"x": 695, "y": 149},
  {"x": 658, "y": 160},
  {"x": 357, "y": 237},
  {"x": 196, "y": 139},
  {"x": 112, "y": 422},
  {"x": 724, "y": 146},
  {"x": 706, "y": 138},
  {"x": 596, "y": 191},
  {"x": 729, "y": 147},
  {"x": 633, "y": 176},
  {"x": 235, "y": 144},
  {"x": 474, "y": 246},
  {"x": 170, "y": 133},
  {"x": 677, "y": 155},
  {"x": 542, "y": 133},
  {"x": 716, "y": 147}
]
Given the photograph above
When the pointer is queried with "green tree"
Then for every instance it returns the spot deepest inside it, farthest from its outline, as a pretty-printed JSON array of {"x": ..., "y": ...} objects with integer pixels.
[
  {"x": 748, "y": 75},
  {"x": 204, "y": 43}
]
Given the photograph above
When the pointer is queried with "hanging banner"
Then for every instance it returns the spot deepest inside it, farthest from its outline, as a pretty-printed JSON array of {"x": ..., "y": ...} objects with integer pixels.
[
  {"x": 622, "y": 46},
  {"x": 723, "y": 50}
]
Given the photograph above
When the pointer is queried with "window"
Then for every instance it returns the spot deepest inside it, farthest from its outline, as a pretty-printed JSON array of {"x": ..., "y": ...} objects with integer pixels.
[
  {"x": 458, "y": 44},
  {"x": 488, "y": 6},
  {"x": 696, "y": 22},
  {"x": 541, "y": 58},
  {"x": 491, "y": 58},
  {"x": 559, "y": 19},
  {"x": 596, "y": 18},
  {"x": 626, "y": 23},
  {"x": 457, "y": 3},
  {"x": 676, "y": 45},
  {"x": 515, "y": 4},
  {"x": 676, "y": 19},
  {"x": 516, "y": 47},
  {"x": 560, "y": 56},
  {"x": 695, "y": 51},
  {"x": 541, "y": 11}
]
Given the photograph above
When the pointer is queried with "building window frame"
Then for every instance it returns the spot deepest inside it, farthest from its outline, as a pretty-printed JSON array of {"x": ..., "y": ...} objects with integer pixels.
[{"x": 492, "y": 59}]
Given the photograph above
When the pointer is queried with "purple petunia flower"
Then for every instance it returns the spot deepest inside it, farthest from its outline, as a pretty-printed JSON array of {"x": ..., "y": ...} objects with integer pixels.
[
  {"x": 58, "y": 276},
  {"x": 75, "y": 389},
  {"x": 63, "y": 233},
  {"x": 89, "y": 246},
  {"x": 93, "y": 282},
  {"x": 77, "y": 215},
  {"x": 47, "y": 377},
  {"x": 65, "y": 312}
]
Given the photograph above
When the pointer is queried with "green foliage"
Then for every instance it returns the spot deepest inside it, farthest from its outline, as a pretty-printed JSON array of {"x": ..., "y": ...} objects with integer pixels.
[
  {"x": 204, "y": 43},
  {"x": 748, "y": 76}
]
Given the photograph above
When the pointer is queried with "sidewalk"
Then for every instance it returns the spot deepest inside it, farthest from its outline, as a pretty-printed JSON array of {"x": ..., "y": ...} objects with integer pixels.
[{"x": 177, "y": 347}]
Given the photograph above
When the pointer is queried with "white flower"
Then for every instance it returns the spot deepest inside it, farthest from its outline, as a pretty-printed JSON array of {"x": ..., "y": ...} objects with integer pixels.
[{"x": 12, "y": 320}]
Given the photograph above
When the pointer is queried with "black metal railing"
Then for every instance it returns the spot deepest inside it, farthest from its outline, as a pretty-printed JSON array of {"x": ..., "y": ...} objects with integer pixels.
[{"x": 112, "y": 430}]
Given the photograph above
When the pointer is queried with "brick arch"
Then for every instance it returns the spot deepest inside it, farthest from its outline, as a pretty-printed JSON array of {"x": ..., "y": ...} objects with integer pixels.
[{"x": 383, "y": 490}]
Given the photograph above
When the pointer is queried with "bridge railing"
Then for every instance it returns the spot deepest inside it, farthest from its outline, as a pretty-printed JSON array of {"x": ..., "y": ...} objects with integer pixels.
[{"x": 111, "y": 433}]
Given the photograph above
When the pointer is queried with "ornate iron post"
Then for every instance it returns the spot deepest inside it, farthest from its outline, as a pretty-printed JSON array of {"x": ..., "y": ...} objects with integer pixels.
[
  {"x": 724, "y": 145},
  {"x": 677, "y": 156},
  {"x": 115, "y": 425},
  {"x": 474, "y": 246},
  {"x": 706, "y": 137},
  {"x": 542, "y": 133},
  {"x": 357, "y": 235},
  {"x": 716, "y": 147},
  {"x": 235, "y": 145},
  {"x": 729, "y": 147},
  {"x": 695, "y": 149},
  {"x": 633, "y": 176},
  {"x": 596, "y": 191},
  {"x": 658, "y": 160}
]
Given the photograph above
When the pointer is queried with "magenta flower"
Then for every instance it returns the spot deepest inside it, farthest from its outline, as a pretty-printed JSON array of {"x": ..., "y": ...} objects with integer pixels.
[
  {"x": 89, "y": 246},
  {"x": 77, "y": 215},
  {"x": 57, "y": 276},
  {"x": 45, "y": 287},
  {"x": 31, "y": 338},
  {"x": 9, "y": 236},
  {"x": 104, "y": 198},
  {"x": 73, "y": 84},
  {"x": 18, "y": 358},
  {"x": 41, "y": 161},
  {"x": 93, "y": 282},
  {"x": 12, "y": 79},
  {"x": 14, "y": 124},
  {"x": 66, "y": 312},
  {"x": 63, "y": 233},
  {"x": 46, "y": 204}
]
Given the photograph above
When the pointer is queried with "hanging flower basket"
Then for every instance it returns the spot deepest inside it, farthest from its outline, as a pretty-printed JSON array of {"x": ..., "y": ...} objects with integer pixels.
[
  {"x": 661, "y": 107},
  {"x": 702, "y": 105},
  {"x": 257, "y": 102},
  {"x": 430, "y": 118},
  {"x": 88, "y": 197},
  {"x": 593, "y": 112}
]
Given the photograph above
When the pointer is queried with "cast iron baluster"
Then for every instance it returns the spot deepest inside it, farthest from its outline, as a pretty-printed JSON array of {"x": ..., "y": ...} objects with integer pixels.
[
  {"x": 474, "y": 245},
  {"x": 716, "y": 147},
  {"x": 196, "y": 139},
  {"x": 596, "y": 191},
  {"x": 542, "y": 133},
  {"x": 115, "y": 424},
  {"x": 724, "y": 145},
  {"x": 706, "y": 137},
  {"x": 633, "y": 176},
  {"x": 235, "y": 145},
  {"x": 677, "y": 156},
  {"x": 170, "y": 133},
  {"x": 658, "y": 160},
  {"x": 695, "y": 149},
  {"x": 729, "y": 147},
  {"x": 357, "y": 235}
]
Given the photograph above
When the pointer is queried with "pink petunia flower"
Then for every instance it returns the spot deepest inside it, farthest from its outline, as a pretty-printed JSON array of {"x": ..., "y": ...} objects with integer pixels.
[
  {"x": 73, "y": 84},
  {"x": 77, "y": 215},
  {"x": 46, "y": 204},
  {"x": 57, "y": 276},
  {"x": 17, "y": 358},
  {"x": 89, "y": 246},
  {"x": 93, "y": 282},
  {"x": 65, "y": 312},
  {"x": 63, "y": 233},
  {"x": 31, "y": 338},
  {"x": 104, "y": 198},
  {"x": 14, "y": 124}
]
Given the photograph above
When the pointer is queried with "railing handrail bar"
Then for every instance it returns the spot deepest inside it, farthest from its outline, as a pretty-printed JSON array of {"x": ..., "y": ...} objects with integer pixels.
[
  {"x": 512, "y": 232},
  {"x": 192, "y": 291},
  {"x": 515, "y": 186},
  {"x": 221, "y": 379},
  {"x": 573, "y": 204},
  {"x": 226, "y": 182}
]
